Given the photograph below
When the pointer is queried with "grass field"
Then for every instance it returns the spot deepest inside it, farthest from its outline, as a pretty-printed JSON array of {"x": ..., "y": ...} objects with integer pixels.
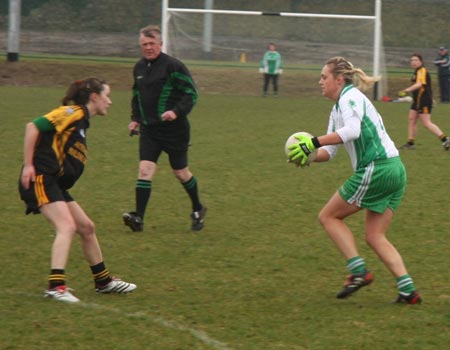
[{"x": 261, "y": 275}]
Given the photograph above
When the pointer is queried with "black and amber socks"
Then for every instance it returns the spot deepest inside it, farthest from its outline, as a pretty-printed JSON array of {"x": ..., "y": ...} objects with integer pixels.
[
  {"x": 100, "y": 274},
  {"x": 56, "y": 278}
]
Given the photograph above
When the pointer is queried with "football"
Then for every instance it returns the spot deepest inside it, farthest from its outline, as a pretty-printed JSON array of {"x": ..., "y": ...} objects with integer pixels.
[{"x": 292, "y": 140}]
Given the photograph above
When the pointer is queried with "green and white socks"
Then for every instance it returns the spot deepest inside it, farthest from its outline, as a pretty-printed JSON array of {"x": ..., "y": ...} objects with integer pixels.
[
  {"x": 356, "y": 265},
  {"x": 405, "y": 284}
]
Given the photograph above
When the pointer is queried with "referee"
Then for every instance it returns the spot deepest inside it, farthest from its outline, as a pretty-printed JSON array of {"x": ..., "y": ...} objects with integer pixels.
[{"x": 163, "y": 96}]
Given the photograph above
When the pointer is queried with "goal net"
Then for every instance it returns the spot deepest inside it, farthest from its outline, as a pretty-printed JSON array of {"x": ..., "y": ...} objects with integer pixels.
[{"x": 305, "y": 40}]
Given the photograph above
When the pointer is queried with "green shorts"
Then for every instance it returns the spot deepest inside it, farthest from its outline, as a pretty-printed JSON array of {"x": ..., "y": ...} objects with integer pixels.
[{"x": 378, "y": 186}]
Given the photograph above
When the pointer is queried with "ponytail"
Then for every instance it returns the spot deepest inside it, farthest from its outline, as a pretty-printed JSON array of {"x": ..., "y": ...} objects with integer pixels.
[
  {"x": 80, "y": 91},
  {"x": 351, "y": 75}
]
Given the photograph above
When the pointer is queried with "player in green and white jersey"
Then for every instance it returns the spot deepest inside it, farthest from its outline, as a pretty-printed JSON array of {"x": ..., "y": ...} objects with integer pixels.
[{"x": 377, "y": 184}]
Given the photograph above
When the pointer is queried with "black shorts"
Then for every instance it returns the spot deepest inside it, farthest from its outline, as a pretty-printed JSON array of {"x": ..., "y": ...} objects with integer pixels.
[
  {"x": 154, "y": 141},
  {"x": 44, "y": 190},
  {"x": 422, "y": 104}
]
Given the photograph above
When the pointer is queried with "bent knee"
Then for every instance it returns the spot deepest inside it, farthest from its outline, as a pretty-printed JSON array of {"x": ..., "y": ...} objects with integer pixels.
[
  {"x": 182, "y": 175},
  {"x": 429, "y": 126},
  {"x": 146, "y": 169},
  {"x": 322, "y": 217},
  {"x": 69, "y": 228},
  {"x": 86, "y": 228},
  {"x": 144, "y": 172},
  {"x": 374, "y": 240},
  {"x": 369, "y": 241}
]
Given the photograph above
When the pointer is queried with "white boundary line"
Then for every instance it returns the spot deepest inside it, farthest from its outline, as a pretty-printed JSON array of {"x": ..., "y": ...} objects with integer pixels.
[{"x": 200, "y": 335}]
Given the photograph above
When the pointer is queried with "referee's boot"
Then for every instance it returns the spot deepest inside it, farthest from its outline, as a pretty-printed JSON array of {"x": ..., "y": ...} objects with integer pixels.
[
  {"x": 198, "y": 219},
  {"x": 133, "y": 221}
]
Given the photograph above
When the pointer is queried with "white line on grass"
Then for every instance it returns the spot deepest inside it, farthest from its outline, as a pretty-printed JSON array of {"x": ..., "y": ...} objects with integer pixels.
[{"x": 202, "y": 336}]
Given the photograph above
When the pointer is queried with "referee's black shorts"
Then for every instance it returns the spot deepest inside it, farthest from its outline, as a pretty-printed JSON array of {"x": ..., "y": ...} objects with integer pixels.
[{"x": 173, "y": 141}]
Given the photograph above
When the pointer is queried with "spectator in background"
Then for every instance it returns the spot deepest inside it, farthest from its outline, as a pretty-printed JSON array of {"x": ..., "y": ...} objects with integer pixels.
[
  {"x": 272, "y": 66},
  {"x": 421, "y": 105},
  {"x": 443, "y": 63}
]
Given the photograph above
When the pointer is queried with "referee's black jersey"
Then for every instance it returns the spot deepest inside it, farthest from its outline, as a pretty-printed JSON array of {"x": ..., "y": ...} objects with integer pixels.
[
  {"x": 161, "y": 85},
  {"x": 61, "y": 149}
]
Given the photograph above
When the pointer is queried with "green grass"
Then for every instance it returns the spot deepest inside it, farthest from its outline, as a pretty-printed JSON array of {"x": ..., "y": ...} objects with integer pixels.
[{"x": 261, "y": 275}]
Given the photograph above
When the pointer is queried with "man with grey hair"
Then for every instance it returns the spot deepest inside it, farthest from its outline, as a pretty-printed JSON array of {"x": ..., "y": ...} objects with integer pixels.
[{"x": 163, "y": 96}]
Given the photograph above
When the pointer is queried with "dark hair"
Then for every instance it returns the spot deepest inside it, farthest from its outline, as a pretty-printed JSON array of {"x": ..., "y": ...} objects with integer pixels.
[
  {"x": 419, "y": 56},
  {"x": 80, "y": 90}
]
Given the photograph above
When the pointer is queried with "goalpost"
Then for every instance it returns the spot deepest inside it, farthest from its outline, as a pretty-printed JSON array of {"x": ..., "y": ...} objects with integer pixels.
[{"x": 376, "y": 19}]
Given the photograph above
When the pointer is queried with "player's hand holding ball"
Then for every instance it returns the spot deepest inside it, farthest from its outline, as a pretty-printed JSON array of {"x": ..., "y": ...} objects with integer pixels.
[{"x": 300, "y": 149}]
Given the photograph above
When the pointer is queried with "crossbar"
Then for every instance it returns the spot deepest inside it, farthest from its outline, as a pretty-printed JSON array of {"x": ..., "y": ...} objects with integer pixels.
[
  {"x": 262, "y": 13},
  {"x": 166, "y": 11}
]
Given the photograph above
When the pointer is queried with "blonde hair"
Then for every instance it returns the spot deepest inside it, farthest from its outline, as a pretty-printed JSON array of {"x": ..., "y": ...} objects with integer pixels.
[{"x": 356, "y": 76}]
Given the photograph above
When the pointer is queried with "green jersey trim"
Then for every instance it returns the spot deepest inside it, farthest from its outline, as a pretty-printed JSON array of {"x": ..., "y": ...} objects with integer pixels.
[
  {"x": 171, "y": 85},
  {"x": 43, "y": 124},
  {"x": 141, "y": 109}
]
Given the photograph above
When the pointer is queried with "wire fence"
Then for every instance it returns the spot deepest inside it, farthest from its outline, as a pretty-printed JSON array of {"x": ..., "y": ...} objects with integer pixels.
[{"x": 109, "y": 28}]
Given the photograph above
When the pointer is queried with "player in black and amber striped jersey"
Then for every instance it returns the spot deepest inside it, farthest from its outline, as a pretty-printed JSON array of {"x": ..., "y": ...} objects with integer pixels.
[
  {"x": 61, "y": 149},
  {"x": 421, "y": 105},
  {"x": 55, "y": 154}
]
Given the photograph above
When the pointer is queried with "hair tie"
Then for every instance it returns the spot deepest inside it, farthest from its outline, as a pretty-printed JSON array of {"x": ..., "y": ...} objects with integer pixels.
[{"x": 78, "y": 82}]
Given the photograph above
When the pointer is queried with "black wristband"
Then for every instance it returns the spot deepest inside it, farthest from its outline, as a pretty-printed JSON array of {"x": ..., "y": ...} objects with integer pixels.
[{"x": 316, "y": 142}]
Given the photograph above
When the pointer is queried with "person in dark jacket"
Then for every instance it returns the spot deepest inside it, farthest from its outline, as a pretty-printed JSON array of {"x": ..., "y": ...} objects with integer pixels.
[
  {"x": 443, "y": 64},
  {"x": 164, "y": 93}
]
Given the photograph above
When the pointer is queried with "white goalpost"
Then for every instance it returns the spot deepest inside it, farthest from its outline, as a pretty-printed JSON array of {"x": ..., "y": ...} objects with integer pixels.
[{"x": 208, "y": 11}]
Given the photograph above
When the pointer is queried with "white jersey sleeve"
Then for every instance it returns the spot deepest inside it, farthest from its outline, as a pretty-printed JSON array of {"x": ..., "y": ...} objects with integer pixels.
[{"x": 361, "y": 129}]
